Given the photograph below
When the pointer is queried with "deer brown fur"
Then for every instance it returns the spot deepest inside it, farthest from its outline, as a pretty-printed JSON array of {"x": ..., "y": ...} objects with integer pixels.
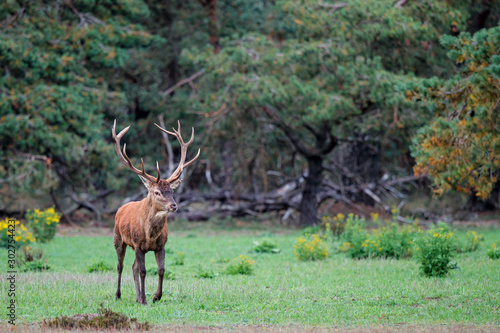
[{"x": 142, "y": 225}]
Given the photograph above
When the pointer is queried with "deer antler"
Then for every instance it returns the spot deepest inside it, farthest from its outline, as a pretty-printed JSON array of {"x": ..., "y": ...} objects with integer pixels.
[
  {"x": 177, "y": 133},
  {"x": 126, "y": 160}
]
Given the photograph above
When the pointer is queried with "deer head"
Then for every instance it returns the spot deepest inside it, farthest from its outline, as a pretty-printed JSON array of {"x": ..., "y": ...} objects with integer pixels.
[{"x": 160, "y": 191}]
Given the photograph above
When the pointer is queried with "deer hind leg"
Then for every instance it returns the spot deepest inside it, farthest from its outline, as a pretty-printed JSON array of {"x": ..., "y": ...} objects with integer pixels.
[
  {"x": 139, "y": 269},
  {"x": 160, "y": 260},
  {"x": 120, "y": 248},
  {"x": 135, "y": 273}
]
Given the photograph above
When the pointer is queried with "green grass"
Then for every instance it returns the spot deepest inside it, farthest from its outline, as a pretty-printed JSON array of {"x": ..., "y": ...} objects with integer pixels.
[{"x": 337, "y": 292}]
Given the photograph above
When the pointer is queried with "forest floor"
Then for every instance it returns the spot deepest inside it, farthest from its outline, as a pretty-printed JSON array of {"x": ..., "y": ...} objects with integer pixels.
[{"x": 282, "y": 294}]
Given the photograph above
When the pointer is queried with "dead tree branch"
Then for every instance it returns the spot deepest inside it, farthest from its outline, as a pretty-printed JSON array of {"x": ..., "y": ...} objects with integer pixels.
[
  {"x": 400, "y": 3},
  {"x": 58, "y": 207},
  {"x": 333, "y": 7},
  {"x": 168, "y": 146},
  {"x": 183, "y": 82},
  {"x": 11, "y": 19}
]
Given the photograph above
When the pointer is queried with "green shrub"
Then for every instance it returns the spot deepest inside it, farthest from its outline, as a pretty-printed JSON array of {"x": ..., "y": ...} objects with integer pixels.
[
  {"x": 311, "y": 248},
  {"x": 355, "y": 239},
  {"x": 203, "y": 273},
  {"x": 395, "y": 241},
  {"x": 470, "y": 244},
  {"x": 334, "y": 225},
  {"x": 99, "y": 266},
  {"x": 388, "y": 241},
  {"x": 240, "y": 265},
  {"x": 434, "y": 252},
  {"x": 178, "y": 259},
  {"x": 265, "y": 246},
  {"x": 494, "y": 251},
  {"x": 43, "y": 223},
  {"x": 311, "y": 230},
  {"x": 35, "y": 266}
]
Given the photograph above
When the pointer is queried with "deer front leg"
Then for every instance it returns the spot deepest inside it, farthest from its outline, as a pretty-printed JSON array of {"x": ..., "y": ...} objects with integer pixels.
[
  {"x": 160, "y": 260},
  {"x": 139, "y": 269}
]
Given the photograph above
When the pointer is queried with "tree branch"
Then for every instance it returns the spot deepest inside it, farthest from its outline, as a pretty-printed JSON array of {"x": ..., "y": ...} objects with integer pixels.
[
  {"x": 9, "y": 21},
  {"x": 290, "y": 133},
  {"x": 76, "y": 12},
  {"x": 332, "y": 143},
  {"x": 333, "y": 7},
  {"x": 400, "y": 3},
  {"x": 58, "y": 207},
  {"x": 183, "y": 82},
  {"x": 312, "y": 130},
  {"x": 168, "y": 146}
]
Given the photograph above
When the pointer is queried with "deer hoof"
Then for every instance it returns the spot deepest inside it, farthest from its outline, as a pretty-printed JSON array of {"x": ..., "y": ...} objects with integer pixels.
[
  {"x": 141, "y": 301},
  {"x": 156, "y": 298}
]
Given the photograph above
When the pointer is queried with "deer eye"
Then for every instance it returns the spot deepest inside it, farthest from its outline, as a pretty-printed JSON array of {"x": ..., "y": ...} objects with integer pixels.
[{"x": 157, "y": 193}]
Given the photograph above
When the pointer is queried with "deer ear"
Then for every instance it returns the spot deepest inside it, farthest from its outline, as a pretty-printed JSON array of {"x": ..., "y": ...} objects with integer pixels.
[
  {"x": 145, "y": 181},
  {"x": 175, "y": 184}
]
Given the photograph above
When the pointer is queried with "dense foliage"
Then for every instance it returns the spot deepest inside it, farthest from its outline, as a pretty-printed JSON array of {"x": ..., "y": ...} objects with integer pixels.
[
  {"x": 434, "y": 252},
  {"x": 63, "y": 73},
  {"x": 277, "y": 90},
  {"x": 460, "y": 148},
  {"x": 322, "y": 76}
]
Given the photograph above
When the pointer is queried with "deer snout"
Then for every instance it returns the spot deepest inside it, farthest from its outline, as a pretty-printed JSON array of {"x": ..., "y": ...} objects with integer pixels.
[{"x": 172, "y": 208}]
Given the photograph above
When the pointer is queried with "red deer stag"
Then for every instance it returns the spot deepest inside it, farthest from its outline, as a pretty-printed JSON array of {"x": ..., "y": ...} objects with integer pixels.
[{"x": 142, "y": 225}]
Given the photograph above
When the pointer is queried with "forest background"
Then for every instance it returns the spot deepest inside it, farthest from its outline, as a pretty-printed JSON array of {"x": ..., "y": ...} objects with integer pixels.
[{"x": 299, "y": 107}]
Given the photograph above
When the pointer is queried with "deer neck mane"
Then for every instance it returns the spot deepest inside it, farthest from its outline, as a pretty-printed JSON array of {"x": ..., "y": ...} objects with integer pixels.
[{"x": 154, "y": 216}]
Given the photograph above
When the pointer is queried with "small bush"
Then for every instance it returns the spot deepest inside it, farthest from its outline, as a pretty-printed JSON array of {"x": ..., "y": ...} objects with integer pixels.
[
  {"x": 355, "y": 239},
  {"x": 178, "y": 259},
  {"x": 265, "y": 246},
  {"x": 240, "y": 265},
  {"x": 470, "y": 244},
  {"x": 18, "y": 238},
  {"x": 391, "y": 241},
  {"x": 32, "y": 260},
  {"x": 35, "y": 266},
  {"x": 99, "y": 266},
  {"x": 310, "y": 248},
  {"x": 203, "y": 273},
  {"x": 335, "y": 225},
  {"x": 311, "y": 230},
  {"x": 494, "y": 251},
  {"x": 43, "y": 223},
  {"x": 395, "y": 242},
  {"x": 434, "y": 252}
]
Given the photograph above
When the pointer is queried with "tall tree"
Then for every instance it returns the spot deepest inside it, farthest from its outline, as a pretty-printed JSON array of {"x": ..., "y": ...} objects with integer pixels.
[
  {"x": 327, "y": 73},
  {"x": 460, "y": 149},
  {"x": 64, "y": 70}
]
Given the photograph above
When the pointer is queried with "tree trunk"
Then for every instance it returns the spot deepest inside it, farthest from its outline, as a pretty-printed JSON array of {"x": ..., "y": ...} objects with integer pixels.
[
  {"x": 360, "y": 164},
  {"x": 213, "y": 30},
  {"x": 491, "y": 203},
  {"x": 308, "y": 212}
]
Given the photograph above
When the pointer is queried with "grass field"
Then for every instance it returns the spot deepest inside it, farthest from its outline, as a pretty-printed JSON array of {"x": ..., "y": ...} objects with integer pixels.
[{"x": 338, "y": 292}]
